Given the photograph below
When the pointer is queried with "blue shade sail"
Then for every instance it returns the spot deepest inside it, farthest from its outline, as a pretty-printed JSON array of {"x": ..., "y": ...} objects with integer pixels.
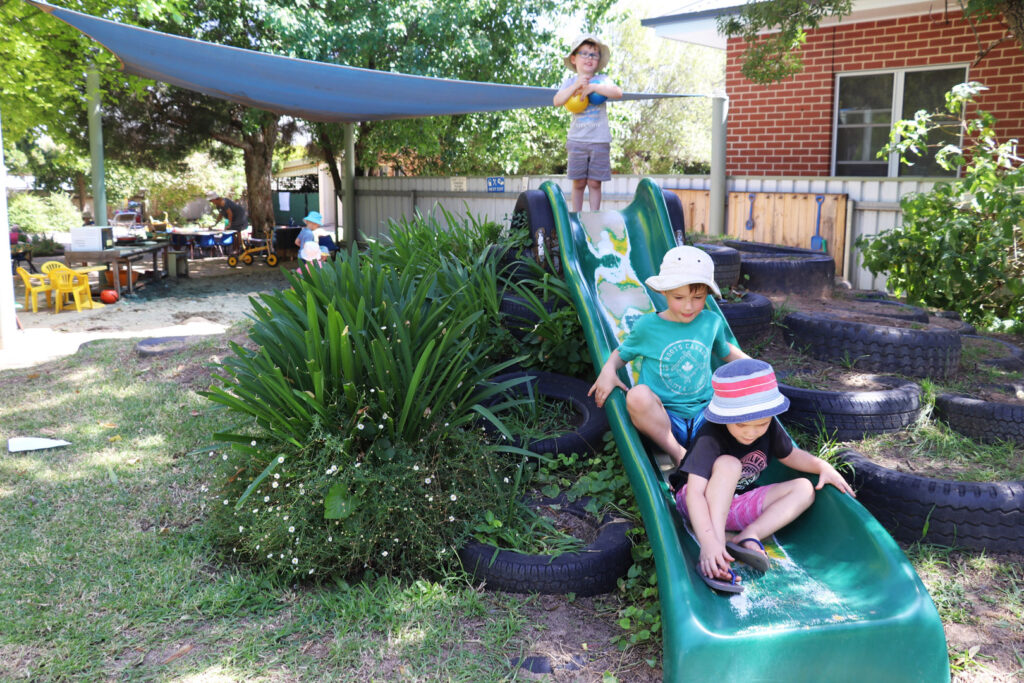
[{"x": 314, "y": 91}]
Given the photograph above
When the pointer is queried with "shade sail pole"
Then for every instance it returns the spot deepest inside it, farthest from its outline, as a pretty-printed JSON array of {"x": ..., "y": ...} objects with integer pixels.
[
  {"x": 95, "y": 110},
  {"x": 716, "y": 213},
  {"x": 348, "y": 202},
  {"x": 8, "y": 325}
]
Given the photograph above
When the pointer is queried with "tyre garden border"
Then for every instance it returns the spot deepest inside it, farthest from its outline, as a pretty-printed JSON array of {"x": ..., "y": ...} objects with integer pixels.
[
  {"x": 851, "y": 415},
  {"x": 811, "y": 274},
  {"x": 591, "y": 570},
  {"x": 932, "y": 352},
  {"x": 727, "y": 264},
  {"x": 1013, "y": 362},
  {"x": 587, "y": 437},
  {"x": 985, "y": 421},
  {"x": 750, "y": 318},
  {"x": 977, "y": 515}
]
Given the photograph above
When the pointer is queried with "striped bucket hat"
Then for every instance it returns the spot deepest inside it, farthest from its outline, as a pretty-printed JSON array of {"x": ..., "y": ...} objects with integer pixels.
[{"x": 745, "y": 390}]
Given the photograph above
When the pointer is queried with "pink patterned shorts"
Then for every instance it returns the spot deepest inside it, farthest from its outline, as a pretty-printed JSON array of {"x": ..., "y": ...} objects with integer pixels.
[{"x": 745, "y": 508}]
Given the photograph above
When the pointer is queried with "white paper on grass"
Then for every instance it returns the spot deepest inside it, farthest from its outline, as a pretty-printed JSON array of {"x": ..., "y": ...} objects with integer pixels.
[{"x": 33, "y": 443}]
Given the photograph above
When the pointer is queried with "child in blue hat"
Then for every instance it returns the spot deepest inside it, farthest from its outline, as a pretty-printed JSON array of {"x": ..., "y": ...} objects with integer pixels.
[
  {"x": 313, "y": 221},
  {"x": 739, "y": 437}
]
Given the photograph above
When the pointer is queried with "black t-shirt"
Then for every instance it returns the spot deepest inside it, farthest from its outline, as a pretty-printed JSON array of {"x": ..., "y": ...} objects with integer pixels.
[
  {"x": 713, "y": 440},
  {"x": 239, "y": 217}
]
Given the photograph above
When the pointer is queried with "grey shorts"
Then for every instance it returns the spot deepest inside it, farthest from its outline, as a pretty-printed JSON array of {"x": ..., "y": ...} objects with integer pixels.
[{"x": 589, "y": 160}]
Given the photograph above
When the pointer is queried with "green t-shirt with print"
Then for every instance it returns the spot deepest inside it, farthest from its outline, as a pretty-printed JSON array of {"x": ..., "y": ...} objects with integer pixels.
[{"x": 674, "y": 359}]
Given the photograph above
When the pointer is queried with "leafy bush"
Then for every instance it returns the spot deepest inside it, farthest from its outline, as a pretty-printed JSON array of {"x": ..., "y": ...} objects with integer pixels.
[
  {"x": 43, "y": 214},
  {"x": 361, "y": 402},
  {"x": 556, "y": 342},
  {"x": 960, "y": 246},
  {"x": 28, "y": 211}
]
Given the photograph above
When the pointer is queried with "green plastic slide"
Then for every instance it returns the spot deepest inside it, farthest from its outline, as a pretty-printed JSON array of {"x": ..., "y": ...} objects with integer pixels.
[{"x": 840, "y": 603}]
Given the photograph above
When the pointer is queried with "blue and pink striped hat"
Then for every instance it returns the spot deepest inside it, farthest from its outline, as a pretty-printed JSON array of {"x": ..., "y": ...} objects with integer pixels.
[{"x": 745, "y": 390}]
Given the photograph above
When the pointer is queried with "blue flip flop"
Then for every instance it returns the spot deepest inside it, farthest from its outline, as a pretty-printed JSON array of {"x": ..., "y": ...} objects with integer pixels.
[
  {"x": 729, "y": 586},
  {"x": 751, "y": 558}
]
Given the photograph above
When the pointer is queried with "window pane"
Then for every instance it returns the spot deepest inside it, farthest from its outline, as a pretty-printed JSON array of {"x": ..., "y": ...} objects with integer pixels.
[
  {"x": 927, "y": 90},
  {"x": 862, "y": 123}
]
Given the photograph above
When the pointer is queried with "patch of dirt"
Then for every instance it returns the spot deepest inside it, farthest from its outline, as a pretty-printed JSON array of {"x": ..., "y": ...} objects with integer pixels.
[{"x": 585, "y": 529}]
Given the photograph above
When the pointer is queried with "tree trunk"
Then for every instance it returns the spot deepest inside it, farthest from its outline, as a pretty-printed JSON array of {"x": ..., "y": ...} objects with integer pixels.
[
  {"x": 258, "y": 156},
  {"x": 1013, "y": 12}
]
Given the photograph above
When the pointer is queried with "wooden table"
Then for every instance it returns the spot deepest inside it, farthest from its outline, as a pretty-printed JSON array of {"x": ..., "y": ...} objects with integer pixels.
[{"x": 118, "y": 256}]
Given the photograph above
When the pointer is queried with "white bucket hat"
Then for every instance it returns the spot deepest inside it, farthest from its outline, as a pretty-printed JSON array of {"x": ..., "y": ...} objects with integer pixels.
[
  {"x": 684, "y": 266},
  {"x": 603, "y": 49}
]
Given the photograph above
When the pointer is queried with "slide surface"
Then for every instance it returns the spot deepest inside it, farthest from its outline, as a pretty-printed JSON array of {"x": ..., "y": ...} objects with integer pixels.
[{"x": 841, "y": 601}]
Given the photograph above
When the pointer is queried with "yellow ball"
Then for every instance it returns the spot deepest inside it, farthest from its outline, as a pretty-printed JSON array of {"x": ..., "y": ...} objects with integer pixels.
[{"x": 576, "y": 104}]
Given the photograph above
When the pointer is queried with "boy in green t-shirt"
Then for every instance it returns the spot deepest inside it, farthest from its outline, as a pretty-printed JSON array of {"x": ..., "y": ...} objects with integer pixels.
[{"x": 673, "y": 350}]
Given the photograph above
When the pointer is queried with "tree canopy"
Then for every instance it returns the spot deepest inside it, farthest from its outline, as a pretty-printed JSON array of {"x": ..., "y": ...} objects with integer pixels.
[{"x": 772, "y": 57}]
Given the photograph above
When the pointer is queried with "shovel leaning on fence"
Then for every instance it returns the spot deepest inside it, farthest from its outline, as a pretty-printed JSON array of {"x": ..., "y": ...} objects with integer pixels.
[{"x": 818, "y": 243}]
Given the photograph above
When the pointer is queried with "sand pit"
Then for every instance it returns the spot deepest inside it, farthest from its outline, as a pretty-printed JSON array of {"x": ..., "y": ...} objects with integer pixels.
[{"x": 209, "y": 301}]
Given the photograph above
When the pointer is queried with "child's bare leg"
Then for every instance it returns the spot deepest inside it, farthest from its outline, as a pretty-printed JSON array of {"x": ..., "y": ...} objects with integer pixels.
[
  {"x": 649, "y": 416},
  {"x": 578, "y": 186},
  {"x": 716, "y": 502},
  {"x": 595, "y": 194},
  {"x": 783, "y": 503}
]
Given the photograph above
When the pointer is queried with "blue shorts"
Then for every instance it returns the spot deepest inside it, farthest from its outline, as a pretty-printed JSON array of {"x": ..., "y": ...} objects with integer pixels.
[{"x": 685, "y": 428}]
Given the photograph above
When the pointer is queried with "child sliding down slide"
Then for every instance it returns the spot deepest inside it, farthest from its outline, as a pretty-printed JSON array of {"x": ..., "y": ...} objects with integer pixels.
[{"x": 739, "y": 436}]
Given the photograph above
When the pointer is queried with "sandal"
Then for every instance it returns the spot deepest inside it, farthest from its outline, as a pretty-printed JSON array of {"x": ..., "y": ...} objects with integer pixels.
[
  {"x": 751, "y": 558},
  {"x": 720, "y": 585}
]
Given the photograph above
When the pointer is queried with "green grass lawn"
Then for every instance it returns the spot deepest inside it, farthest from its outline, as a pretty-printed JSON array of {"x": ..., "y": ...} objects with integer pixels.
[{"x": 106, "y": 573}]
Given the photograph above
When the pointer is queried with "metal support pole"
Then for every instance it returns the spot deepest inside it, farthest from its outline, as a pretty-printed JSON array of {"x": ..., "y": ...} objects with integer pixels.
[
  {"x": 7, "y": 321},
  {"x": 716, "y": 212},
  {"x": 348, "y": 202},
  {"x": 95, "y": 111}
]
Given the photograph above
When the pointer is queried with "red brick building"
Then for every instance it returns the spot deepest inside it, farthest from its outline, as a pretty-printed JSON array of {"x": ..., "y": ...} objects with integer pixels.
[{"x": 876, "y": 66}]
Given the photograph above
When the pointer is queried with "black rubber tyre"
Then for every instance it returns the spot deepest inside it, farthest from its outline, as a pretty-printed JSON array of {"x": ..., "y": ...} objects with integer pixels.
[
  {"x": 811, "y": 275},
  {"x": 766, "y": 248},
  {"x": 247, "y": 259},
  {"x": 727, "y": 264},
  {"x": 271, "y": 260},
  {"x": 533, "y": 208},
  {"x": 1014, "y": 359},
  {"x": 849, "y": 415},
  {"x": 157, "y": 346},
  {"x": 519, "y": 316},
  {"x": 986, "y": 421},
  {"x": 902, "y": 311},
  {"x": 587, "y": 437},
  {"x": 931, "y": 352},
  {"x": 750, "y": 318},
  {"x": 232, "y": 261},
  {"x": 674, "y": 206},
  {"x": 984, "y": 516},
  {"x": 593, "y": 570}
]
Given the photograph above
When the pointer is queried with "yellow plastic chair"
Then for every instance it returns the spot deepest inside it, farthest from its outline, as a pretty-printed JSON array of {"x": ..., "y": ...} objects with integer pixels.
[
  {"x": 67, "y": 282},
  {"x": 34, "y": 285},
  {"x": 51, "y": 266}
]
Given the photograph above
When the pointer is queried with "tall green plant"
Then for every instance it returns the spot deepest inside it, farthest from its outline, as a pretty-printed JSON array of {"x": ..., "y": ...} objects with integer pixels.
[
  {"x": 358, "y": 367},
  {"x": 960, "y": 246}
]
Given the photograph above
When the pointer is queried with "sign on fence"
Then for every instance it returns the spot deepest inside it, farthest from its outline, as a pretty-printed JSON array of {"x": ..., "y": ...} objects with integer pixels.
[{"x": 496, "y": 184}]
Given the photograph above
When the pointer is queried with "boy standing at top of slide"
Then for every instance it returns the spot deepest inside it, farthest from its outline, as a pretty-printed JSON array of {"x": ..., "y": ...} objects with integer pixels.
[{"x": 589, "y": 140}]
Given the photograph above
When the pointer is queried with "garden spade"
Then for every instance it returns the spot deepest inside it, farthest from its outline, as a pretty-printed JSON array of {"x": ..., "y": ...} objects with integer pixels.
[{"x": 817, "y": 243}]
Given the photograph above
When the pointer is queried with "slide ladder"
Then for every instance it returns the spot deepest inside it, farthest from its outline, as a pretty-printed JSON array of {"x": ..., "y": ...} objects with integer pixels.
[{"x": 841, "y": 601}]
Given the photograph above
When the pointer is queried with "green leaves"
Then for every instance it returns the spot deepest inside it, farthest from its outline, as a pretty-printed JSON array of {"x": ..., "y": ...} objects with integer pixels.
[{"x": 960, "y": 246}]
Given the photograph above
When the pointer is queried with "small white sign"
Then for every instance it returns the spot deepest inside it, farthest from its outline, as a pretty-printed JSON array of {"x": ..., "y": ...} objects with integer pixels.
[
  {"x": 458, "y": 184},
  {"x": 524, "y": 184},
  {"x": 284, "y": 201}
]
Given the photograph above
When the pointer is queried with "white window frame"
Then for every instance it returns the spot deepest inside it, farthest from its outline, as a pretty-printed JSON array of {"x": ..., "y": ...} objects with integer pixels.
[{"x": 899, "y": 76}]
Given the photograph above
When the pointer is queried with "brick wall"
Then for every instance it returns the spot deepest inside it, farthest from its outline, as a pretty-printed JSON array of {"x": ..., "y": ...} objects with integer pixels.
[{"x": 786, "y": 129}]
